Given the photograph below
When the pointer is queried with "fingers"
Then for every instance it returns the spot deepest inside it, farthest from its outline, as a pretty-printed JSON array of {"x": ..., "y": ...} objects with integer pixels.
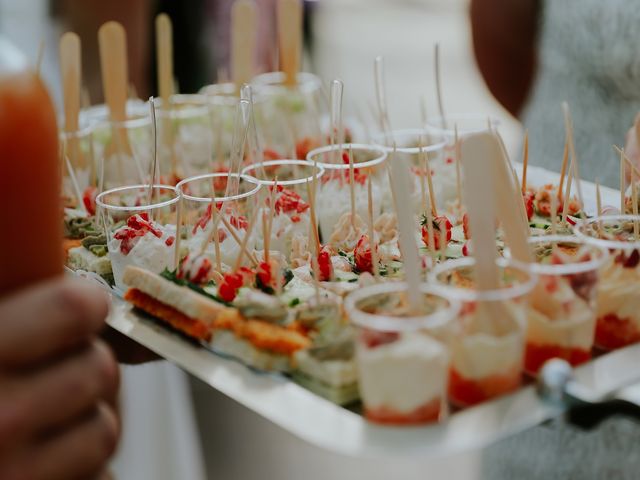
[
  {"x": 49, "y": 319},
  {"x": 80, "y": 451},
  {"x": 57, "y": 395}
]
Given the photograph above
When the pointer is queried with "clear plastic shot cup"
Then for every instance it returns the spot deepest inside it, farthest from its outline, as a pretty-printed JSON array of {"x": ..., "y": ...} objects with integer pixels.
[
  {"x": 80, "y": 179},
  {"x": 215, "y": 219},
  {"x": 140, "y": 226},
  {"x": 618, "y": 319},
  {"x": 563, "y": 305},
  {"x": 488, "y": 346},
  {"x": 123, "y": 150},
  {"x": 425, "y": 154},
  {"x": 334, "y": 193},
  {"x": 185, "y": 137},
  {"x": 402, "y": 367},
  {"x": 290, "y": 215},
  {"x": 289, "y": 117}
]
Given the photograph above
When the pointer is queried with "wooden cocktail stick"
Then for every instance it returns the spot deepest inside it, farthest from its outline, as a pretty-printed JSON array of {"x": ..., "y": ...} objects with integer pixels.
[
  {"x": 74, "y": 182},
  {"x": 372, "y": 238},
  {"x": 335, "y": 135},
  {"x": 176, "y": 244},
  {"x": 432, "y": 193},
  {"x": 563, "y": 169},
  {"x": 436, "y": 58},
  {"x": 352, "y": 190},
  {"x": 238, "y": 240},
  {"x": 244, "y": 28},
  {"x": 113, "y": 62},
  {"x": 245, "y": 240},
  {"x": 598, "y": 204},
  {"x": 572, "y": 151},
  {"x": 312, "y": 215},
  {"x": 634, "y": 204},
  {"x": 381, "y": 97},
  {"x": 567, "y": 194},
  {"x": 290, "y": 38},
  {"x": 554, "y": 214},
  {"x": 71, "y": 73},
  {"x": 622, "y": 182},
  {"x": 525, "y": 161},
  {"x": 154, "y": 151},
  {"x": 422, "y": 178}
]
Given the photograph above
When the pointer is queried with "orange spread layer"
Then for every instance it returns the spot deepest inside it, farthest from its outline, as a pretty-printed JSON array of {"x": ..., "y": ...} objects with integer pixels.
[{"x": 190, "y": 326}]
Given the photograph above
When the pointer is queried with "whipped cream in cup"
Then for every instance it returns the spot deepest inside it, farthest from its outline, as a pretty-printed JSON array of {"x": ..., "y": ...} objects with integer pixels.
[
  {"x": 563, "y": 305},
  {"x": 334, "y": 193},
  {"x": 140, "y": 226},
  {"x": 487, "y": 351},
  {"x": 199, "y": 194},
  {"x": 618, "y": 319},
  {"x": 402, "y": 366},
  {"x": 292, "y": 207}
]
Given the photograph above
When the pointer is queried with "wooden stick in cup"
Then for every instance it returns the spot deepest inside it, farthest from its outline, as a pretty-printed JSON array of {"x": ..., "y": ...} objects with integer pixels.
[
  {"x": 563, "y": 169},
  {"x": 622, "y": 183},
  {"x": 554, "y": 214},
  {"x": 432, "y": 193},
  {"x": 238, "y": 240},
  {"x": 289, "y": 14},
  {"x": 71, "y": 72},
  {"x": 312, "y": 217},
  {"x": 525, "y": 161},
  {"x": 245, "y": 240},
  {"x": 572, "y": 150},
  {"x": 372, "y": 240},
  {"x": 335, "y": 99},
  {"x": 436, "y": 59},
  {"x": 244, "y": 27},
  {"x": 352, "y": 190}
]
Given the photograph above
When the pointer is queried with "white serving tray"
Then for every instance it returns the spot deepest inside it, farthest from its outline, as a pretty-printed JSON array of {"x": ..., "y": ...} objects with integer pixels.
[{"x": 337, "y": 429}]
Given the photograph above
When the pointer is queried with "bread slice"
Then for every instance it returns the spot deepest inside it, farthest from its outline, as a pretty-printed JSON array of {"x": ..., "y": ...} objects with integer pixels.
[
  {"x": 180, "y": 307},
  {"x": 183, "y": 299}
]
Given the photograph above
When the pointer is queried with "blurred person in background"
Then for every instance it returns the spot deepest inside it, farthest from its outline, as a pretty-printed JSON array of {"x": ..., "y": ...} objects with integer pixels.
[{"x": 535, "y": 54}]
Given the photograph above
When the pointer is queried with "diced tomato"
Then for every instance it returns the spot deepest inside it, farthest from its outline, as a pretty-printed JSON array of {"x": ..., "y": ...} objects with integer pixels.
[
  {"x": 325, "y": 267},
  {"x": 240, "y": 222},
  {"x": 137, "y": 226},
  {"x": 289, "y": 201},
  {"x": 441, "y": 225},
  {"x": 376, "y": 338},
  {"x": 537, "y": 354},
  {"x": 228, "y": 288},
  {"x": 270, "y": 154},
  {"x": 264, "y": 274},
  {"x": 362, "y": 254},
  {"x": 528, "y": 204},
  {"x": 89, "y": 199},
  {"x": 169, "y": 241},
  {"x": 428, "y": 413},
  {"x": 304, "y": 146},
  {"x": 614, "y": 332},
  {"x": 465, "y": 391}
]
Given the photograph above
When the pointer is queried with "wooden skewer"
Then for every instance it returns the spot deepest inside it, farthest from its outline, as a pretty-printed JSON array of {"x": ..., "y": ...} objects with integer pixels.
[
  {"x": 456, "y": 155},
  {"x": 563, "y": 169},
  {"x": 352, "y": 190},
  {"x": 245, "y": 239},
  {"x": 335, "y": 136},
  {"x": 431, "y": 239},
  {"x": 598, "y": 204},
  {"x": 627, "y": 160},
  {"x": 432, "y": 193},
  {"x": 525, "y": 161},
  {"x": 554, "y": 214},
  {"x": 289, "y": 14},
  {"x": 176, "y": 244},
  {"x": 381, "y": 98},
  {"x": 154, "y": 150},
  {"x": 164, "y": 50},
  {"x": 74, "y": 182},
  {"x": 265, "y": 235},
  {"x": 238, "y": 240},
  {"x": 567, "y": 194},
  {"x": 312, "y": 215},
  {"x": 634, "y": 205},
  {"x": 572, "y": 151},
  {"x": 406, "y": 228},
  {"x": 216, "y": 237},
  {"x": 70, "y": 69},
  {"x": 113, "y": 62},
  {"x": 244, "y": 27},
  {"x": 622, "y": 182},
  {"x": 443, "y": 119},
  {"x": 423, "y": 180},
  {"x": 372, "y": 238},
  {"x": 269, "y": 220}
]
